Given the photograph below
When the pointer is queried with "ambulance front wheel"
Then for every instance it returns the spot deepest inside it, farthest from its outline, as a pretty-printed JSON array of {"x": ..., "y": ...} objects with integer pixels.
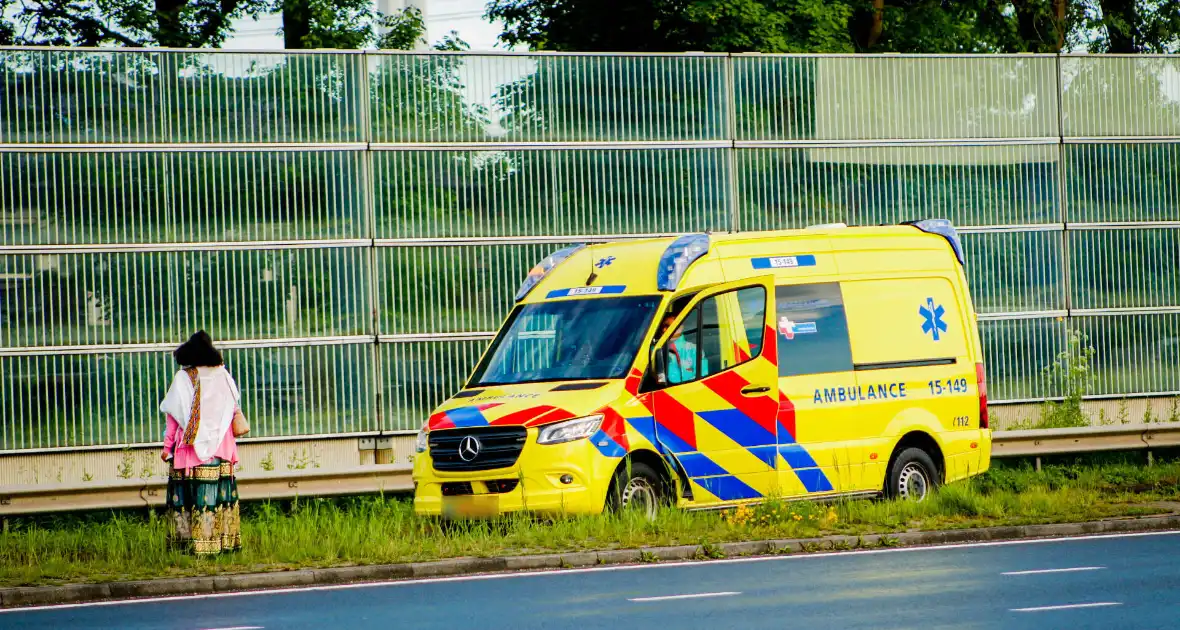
[
  {"x": 913, "y": 476},
  {"x": 637, "y": 487}
]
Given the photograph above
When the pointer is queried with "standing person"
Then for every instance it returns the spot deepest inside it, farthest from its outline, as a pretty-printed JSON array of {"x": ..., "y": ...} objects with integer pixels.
[{"x": 201, "y": 449}]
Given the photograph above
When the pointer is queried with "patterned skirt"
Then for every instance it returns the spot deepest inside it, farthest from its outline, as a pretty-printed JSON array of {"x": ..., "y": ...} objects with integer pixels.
[{"x": 203, "y": 516}]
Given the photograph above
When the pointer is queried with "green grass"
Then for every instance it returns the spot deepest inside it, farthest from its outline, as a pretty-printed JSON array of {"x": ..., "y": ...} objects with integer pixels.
[{"x": 370, "y": 530}]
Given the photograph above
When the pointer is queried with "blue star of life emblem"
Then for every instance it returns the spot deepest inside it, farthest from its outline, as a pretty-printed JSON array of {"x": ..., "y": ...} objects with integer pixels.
[
  {"x": 604, "y": 262},
  {"x": 933, "y": 316}
]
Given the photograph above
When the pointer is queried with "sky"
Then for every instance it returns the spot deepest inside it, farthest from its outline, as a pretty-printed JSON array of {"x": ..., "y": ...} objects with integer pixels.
[
  {"x": 441, "y": 16},
  {"x": 480, "y": 77}
]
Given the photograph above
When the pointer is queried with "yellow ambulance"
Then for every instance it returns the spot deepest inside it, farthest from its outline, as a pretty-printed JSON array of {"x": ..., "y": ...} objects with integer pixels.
[{"x": 715, "y": 369}]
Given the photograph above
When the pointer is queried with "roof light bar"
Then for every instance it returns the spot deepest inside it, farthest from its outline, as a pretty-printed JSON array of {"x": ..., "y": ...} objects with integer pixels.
[
  {"x": 945, "y": 229},
  {"x": 542, "y": 269},
  {"x": 683, "y": 252}
]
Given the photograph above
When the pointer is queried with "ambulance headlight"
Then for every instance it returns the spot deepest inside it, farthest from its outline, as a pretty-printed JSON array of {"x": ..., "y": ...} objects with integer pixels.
[
  {"x": 569, "y": 430},
  {"x": 421, "y": 443}
]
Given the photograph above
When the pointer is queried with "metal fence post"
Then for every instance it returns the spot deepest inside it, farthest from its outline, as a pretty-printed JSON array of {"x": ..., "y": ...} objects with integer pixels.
[
  {"x": 368, "y": 199},
  {"x": 731, "y": 176},
  {"x": 1066, "y": 284}
]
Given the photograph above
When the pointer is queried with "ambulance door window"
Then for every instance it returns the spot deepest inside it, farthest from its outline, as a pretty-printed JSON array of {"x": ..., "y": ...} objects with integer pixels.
[
  {"x": 681, "y": 352},
  {"x": 752, "y": 308},
  {"x": 709, "y": 354},
  {"x": 699, "y": 348},
  {"x": 693, "y": 351}
]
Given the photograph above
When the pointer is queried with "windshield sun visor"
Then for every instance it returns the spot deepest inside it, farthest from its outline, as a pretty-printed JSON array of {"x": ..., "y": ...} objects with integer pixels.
[
  {"x": 542, "y": 269},
  {"x": 683, "y": 252}
]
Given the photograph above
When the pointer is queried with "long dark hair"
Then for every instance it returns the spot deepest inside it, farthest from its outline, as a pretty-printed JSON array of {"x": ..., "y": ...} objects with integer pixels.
[{"x": 198, "y": 351}]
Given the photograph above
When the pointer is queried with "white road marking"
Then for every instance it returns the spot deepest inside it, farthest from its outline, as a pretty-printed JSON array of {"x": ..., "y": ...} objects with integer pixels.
[
  {"x": 664, "y": 598},
  {"x": 552, "y": 572},
  {"x": 1042, "y": 571},
  {"x": 238, "y": 628},
  {"x": 1067, "y": 607}
]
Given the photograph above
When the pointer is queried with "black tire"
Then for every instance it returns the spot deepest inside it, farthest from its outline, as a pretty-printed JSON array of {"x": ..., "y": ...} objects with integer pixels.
[
  {"x": 637, "y": 486},
  {"x": 913, "y": 476}
]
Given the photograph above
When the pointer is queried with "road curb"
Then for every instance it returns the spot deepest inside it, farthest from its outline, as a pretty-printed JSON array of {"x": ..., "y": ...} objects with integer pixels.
[{"x": 80, "y": 593}]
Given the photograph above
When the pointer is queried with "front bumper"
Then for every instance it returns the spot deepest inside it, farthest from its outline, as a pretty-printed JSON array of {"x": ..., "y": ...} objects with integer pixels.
[{"x": 538, "y": 472}]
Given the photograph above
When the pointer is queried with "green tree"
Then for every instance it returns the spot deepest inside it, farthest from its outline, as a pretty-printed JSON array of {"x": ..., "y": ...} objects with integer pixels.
[
  {"x": 838, "y": 26},
  {"x": 170, "y": 23},
  {"x": 964, "y": 26},
  {"x": 677, "y": 25},
  {"x": 325, "y": 23},
  {"x": 7, "y": 30},
  {"x": 348, "y": 24},
  {"x": 1133, "y": 26},
  {"x": 306, "y": 24}
]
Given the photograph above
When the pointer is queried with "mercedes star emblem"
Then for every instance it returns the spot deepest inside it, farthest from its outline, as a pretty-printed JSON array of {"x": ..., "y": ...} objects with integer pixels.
[{"x": 469, "y": 448}]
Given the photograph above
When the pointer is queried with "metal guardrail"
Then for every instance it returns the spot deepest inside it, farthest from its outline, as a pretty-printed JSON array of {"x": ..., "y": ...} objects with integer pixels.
[
  {"x": 395, "y": 478},
  {"x": 32, "y": 499},
  {"x": 1041, "y": 442}
]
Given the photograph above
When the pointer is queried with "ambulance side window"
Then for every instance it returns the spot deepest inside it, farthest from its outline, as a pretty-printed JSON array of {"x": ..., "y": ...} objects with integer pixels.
[{"x": 812, "y": 330}]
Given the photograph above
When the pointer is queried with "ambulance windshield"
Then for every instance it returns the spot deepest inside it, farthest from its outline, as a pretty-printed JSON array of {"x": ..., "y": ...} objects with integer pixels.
[{"x": 570, "y": 340}]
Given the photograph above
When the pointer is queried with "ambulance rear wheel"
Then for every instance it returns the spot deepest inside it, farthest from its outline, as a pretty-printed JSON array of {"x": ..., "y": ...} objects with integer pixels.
[
  {"x": 912, "y": 477},
  {"x": 637, "y": 487}
]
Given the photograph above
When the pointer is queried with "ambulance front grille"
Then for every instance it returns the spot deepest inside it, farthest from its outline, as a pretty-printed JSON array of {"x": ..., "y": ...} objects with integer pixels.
[{"x": 498, "y": 447}]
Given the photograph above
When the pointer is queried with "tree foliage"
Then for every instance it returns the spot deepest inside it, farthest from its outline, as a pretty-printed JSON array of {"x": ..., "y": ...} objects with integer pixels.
[
  {"x": 1133, "y": 26},
  {"x": 676, "y": 25},
  {"x": 326, "y": 23},
  {"x": 306, "y": 24},
  {"x": 7, "y": 29},
  {"x": 841, "y": 26},
  {"x": 170, "y": 23},
  {"x": 352, "y": 24}
]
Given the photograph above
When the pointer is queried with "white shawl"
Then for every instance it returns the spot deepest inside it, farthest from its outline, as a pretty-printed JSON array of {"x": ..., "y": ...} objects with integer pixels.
[{"x": 219, "y": 399}]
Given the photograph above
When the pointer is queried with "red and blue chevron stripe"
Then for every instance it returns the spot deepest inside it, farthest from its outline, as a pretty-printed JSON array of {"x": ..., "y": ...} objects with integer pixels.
[
  {"x": 611, "y": 438},
  {"x": 801, "y": 462},
  {"x": 461, "y": 417}
]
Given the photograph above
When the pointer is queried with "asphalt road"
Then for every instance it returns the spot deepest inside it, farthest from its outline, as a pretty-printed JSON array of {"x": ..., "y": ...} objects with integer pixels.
[{"x": 1097, "y": 582}]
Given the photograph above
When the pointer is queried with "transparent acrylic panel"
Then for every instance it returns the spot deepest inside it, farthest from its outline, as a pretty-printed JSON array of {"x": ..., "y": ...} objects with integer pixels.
[
  {"x": 63, "y": 96},
  {"x": 450, "y": 98},
  {"x": 1124, "y": 268},
  {"x": 993, "y": 185},
  {"x": 126, "y": 197},
  {"x": 89, "y": 400},
  {"x": 76, "y": 96},
  {"x": 306, "y": 390},
  {"x": 550, "y": 193},
  {"x": 1122, "y": 182},
  {"x": 468, "y": 288},
  {"x": 82, "y": 400},
  {"x": 842, "y": 97},
  {"x": 159, "y": 297},
  {"x": 417, "y": 377},
  {"x": 1010, "y": 272},
  {"x": 1132, "y": 95},
  {"x": 1015, "y": 355},
  {"x": 1133, "y": 354}
]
